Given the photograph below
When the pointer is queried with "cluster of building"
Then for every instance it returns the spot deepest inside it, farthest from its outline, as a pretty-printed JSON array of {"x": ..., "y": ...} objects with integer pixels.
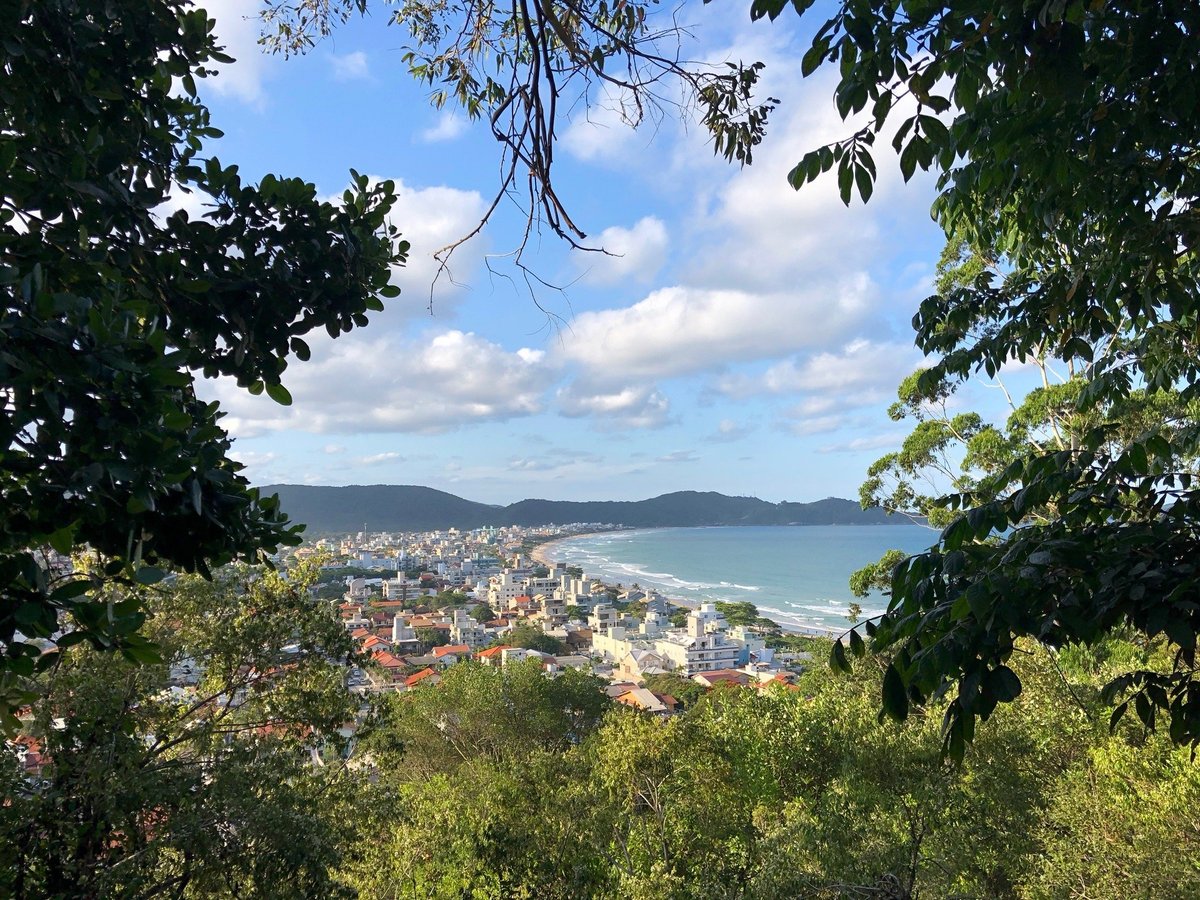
[
  {"x": 459, "y": 559},
  {"x": 623, "y": 636},
  {"x": 409, "y": 634}
]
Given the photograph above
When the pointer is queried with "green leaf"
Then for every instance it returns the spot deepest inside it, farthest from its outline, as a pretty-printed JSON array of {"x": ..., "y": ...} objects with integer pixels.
[
  {"x": 865, "y": 183},
  {"x": 1005, "y": 684},
  {"x": 908, "y": 160},
  {"x": 857, "y": 646},
  {"x": 63, "y": 540},
  {"x": 149, "y": 575},
  {"x": 895, "y": 694},
  {"x": 845, "y": 180},
  {"x": 279, "y": 394},
  {"x": 837, "y": 658}
]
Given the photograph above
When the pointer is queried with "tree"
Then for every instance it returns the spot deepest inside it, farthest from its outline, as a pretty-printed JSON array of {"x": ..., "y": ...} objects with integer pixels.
[
  {"x": 431, "y": 636},
  {"x": 739, "y": 612},
  {"x": 1064, "y": 141},
  {"x": 525, "y": 635},
  {"x": 196, "y": 776},
  {"x": 111, "y": 309},
  {"x": 686, "y": 691},
  {"x": 480, "y": 711},
  {"x": 522, "y": 66}
]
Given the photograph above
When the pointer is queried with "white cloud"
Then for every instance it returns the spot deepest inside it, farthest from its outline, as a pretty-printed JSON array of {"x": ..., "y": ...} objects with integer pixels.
[
  {"x": 237, "y": 32},
  {"x": 729, "y": 430},
  {"x": 334, "y": 449},
  {"x": 635, "y": 253},
  {"x": 628, "y": 407},
  {"x": 864, "y": 367},
  {"x": 387, "y": 384},
  {"x": 679, "y": 330},
  {"x": 873, "y": 442},
  {"x": 378, "y": 459},
  {"x": 602, "y": 131},
  {"x": 449, "y": 125},
  {"x": 817, "y": 425},
  {"x": 350, "y": 66},
  {"x": 429, "y": 219},
  {"x": 679, "y": 456},
  {"x": 830, "y": 384}
]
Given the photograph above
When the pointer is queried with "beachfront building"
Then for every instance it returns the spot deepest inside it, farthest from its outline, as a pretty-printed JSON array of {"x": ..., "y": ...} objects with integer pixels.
[
  {"x": 701, "y": 646},
  {"x": 602, "y": 618}
]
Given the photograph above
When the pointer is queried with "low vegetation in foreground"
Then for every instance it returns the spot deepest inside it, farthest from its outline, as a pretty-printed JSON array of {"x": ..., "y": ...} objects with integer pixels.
[{"x": 241, "y": 766}]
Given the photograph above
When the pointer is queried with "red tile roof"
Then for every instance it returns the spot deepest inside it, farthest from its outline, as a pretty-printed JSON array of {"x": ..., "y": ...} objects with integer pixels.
[
  {"x": 724, "y": 676},
  {"x": 492, "y": 652},
  {"x": 387, "y": 660},
  {"x": 413, "y": 680}
]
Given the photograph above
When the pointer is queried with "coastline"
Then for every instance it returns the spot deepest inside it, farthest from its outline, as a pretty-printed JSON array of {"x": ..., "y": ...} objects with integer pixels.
[{"x": 542, "y": 554}]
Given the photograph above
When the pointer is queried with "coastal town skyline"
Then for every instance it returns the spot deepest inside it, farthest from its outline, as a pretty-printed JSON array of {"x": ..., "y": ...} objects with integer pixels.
[{"x": 742, "y": 326}]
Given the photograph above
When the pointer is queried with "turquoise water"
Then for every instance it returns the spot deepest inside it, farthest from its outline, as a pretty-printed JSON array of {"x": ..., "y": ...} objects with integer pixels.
[{"x": 796, "y": 575}]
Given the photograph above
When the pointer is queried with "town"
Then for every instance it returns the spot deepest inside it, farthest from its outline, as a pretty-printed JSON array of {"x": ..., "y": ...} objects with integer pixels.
[{"x": 434, "y": 599}]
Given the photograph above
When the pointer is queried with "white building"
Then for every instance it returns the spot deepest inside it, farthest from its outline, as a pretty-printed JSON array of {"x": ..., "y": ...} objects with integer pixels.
[{"x": 701, "y": 646}]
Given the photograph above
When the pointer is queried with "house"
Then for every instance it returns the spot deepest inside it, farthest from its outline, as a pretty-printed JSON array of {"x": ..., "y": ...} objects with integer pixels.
[
  {"x": 493, "y": 655},
  {"x": 648, "y": 701},
  {"x": 391, "y": 669},
  {"x": 640, "y": 662},
  {"x": 425, "y": 676},
  {"x": 722, "y": 676},
  {"x": 449, "y": 654},
  {"x": 374, "y": 642}
]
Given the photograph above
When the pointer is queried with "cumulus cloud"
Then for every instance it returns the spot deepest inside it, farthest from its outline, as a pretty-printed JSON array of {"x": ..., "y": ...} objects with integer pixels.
[
  {"x": 379, "y": 459},
  {"x": 389, "y": 384},
  {"x": 729, "y": 430},
  {"x": 680, "y": 330},
  {"x": 334, "y": 449},
  {"x": 449, "y": 125},
  {"x": 350, "y": 66},
  {"x": 870, "y": 369},
  {"x": 602, "y": 132},
  {"x": 635, "y": 253},
  {"x": 237, "y": 33},
  {"x": 629, "y": 407},
  {"x": 430, "y": 218}
]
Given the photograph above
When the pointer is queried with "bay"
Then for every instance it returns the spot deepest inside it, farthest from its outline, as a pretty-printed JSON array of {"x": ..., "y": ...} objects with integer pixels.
[{"x": 796, "y": 575}]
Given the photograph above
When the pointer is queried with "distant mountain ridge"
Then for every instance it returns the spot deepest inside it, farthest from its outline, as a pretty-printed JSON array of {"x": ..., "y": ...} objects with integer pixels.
[{"x": 404, "y": 507}]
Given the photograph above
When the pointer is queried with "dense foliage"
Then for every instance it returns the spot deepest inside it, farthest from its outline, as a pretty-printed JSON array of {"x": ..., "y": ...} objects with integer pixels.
[
  {"x": 486, "y": 790},
  {"x": 216, "y": 773},
  {"x": 112, "y": 304},
  {"x": 226, "y": 771},
  {"x": 1065, "y": 136}
]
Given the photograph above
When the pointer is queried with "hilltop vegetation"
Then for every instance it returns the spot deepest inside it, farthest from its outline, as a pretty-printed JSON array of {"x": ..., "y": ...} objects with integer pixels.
[
  {"x": 502, "y": 783},
  {"x": 393, "y": 507}
]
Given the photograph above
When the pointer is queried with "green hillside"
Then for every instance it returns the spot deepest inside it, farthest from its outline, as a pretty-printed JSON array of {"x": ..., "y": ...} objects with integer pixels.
[{"x": 396, "y": 507}]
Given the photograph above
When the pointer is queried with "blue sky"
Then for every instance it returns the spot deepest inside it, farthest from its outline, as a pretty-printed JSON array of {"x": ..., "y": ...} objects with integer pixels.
[{"x": 748, "y": 338}]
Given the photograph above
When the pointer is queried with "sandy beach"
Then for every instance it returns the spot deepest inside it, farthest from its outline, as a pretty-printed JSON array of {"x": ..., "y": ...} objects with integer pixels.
[{"x": 545, "y": 553}]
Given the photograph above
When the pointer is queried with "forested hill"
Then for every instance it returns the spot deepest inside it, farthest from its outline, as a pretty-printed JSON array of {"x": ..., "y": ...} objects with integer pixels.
[{"x": 402, "y": 507}]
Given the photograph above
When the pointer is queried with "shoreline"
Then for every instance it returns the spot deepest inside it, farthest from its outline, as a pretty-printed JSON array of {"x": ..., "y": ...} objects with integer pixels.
[{"x": 541, "y": 554}]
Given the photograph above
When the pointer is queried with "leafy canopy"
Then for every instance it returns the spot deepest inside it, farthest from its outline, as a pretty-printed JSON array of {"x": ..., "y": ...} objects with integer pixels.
[
  {"x": 112, "y": 305},
  {"x": 1065, "y": 135}
]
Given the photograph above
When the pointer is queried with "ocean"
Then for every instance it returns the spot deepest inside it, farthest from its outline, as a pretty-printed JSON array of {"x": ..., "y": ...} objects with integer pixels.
[{"x": 795, "y": 575}]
